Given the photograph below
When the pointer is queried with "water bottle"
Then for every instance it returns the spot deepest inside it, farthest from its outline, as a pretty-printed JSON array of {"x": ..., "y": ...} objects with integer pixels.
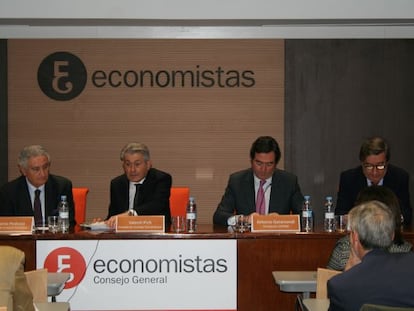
[
  {"x": 63, "y": 208},
  {"x": 329, "y": 219},
  {"x": 307, "y": 215},
  {"x": 191, "y": 215}
]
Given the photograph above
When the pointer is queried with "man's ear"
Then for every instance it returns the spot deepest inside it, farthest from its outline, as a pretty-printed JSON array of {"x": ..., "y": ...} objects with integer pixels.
[
  {"x": 22, "y": 170},
  {"x": 354, "y": 238}
]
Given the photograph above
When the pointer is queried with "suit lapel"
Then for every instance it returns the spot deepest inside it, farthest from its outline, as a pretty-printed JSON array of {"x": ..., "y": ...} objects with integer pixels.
[
  {"x": 51, "y": 197},
  {"x": 25, "y": 202},
  {"x": 146, "y": 185},
  {"x": 274, "y": 191},
  {"x": 249, "y": 194}
]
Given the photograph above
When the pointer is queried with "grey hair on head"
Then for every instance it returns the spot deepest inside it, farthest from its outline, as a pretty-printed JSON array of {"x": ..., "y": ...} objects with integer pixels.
[
  {"x": 32, "y": 151},
  {"x": 132, "y": 148}
]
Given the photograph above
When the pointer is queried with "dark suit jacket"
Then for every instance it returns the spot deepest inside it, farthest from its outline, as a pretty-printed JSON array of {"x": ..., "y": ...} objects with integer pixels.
[
  {"x": 15, "y": 197},
  {"x": 153, "y": 199},
  {"x": 239, "y": 196},
  {"x": 353, "y": 181},
  {"x": 381, "y": 278}
]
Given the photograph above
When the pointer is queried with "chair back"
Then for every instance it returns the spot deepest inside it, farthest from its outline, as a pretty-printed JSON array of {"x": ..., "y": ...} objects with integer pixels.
[
  {"x": 14, "y": 290},
  {"x": 37, "y": 281},
  {"x": 373, "y": 307},
  {"x": 178, "y": 200},
  {"x": 79, "y": 198},
  {"x": 322, "y": 277}
]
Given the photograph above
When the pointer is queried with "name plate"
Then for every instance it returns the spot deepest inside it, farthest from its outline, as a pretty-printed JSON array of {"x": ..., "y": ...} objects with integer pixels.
[
  {"x": 140, "y": 224},
  {"x": 16, "y": 224},
  {"x": 275, "y": 223}
]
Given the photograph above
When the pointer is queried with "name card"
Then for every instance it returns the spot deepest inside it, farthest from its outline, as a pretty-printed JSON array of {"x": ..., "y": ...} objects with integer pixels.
[
  {"x": 275, "y": 223},
  {"x": 140, "y": 224},
  {"x": 16, "y": 224}
]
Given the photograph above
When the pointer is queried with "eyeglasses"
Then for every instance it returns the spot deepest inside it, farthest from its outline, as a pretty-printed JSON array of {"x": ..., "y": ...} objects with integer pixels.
[{"x": 370, "y": 167}]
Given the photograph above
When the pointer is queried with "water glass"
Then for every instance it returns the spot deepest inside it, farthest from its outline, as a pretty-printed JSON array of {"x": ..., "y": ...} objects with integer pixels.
[
  {"x": 178, "y": 223},
  {"x": 53, "y": 223},
  {"x": 341, "y": 223}
]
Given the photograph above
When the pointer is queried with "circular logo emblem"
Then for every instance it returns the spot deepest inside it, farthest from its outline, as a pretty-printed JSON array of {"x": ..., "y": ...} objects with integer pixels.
[
  {"x": 67, "y": 259},
  {"x": 62, "y": 76}
]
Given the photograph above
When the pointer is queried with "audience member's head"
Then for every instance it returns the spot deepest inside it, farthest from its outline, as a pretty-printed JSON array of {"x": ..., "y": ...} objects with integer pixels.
[
  {"x": 386, "y": 196},
  {"x": 374, "y": 224}
]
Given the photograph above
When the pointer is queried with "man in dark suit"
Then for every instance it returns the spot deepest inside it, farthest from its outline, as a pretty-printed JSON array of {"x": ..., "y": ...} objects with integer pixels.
[
  {"x": 380, "y": 277},
  {"x": 374, "y": 170},
  {"x": 141, "y": 190},
  {"x": 17, "y": 197},
  {"x": 282, "y": 193}
]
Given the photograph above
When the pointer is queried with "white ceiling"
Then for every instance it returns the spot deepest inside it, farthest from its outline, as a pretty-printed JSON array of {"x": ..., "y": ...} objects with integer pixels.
[{"x": 207, "y": 19}]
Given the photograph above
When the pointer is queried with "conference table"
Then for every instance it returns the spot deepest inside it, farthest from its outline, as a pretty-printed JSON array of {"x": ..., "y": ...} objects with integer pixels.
[{"x": 258, "y": 255}]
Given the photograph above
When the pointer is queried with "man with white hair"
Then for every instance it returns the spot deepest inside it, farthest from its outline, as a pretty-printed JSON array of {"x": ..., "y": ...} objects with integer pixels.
[{"x": 381, "y": 277}]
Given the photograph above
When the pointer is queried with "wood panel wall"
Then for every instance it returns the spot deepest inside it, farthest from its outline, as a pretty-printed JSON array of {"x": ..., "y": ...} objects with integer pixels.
[{"x": 198, "y": 134}]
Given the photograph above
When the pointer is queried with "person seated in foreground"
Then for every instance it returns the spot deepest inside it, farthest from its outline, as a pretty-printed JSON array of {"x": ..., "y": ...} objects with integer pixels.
[
  {"x": 380, "y": 277},
  {"x": 375, "y": 169},
  {"x": 15, "y": 293},
  {"x": 340, "y": 257},
  {"x": 280, "y": 190},
  {"x": 142, "y": 189}
]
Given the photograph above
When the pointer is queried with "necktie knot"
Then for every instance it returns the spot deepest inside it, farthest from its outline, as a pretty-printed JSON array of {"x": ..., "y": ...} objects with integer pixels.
[
  {"x": 37, "y": 193},
  {"x": 262, "y": 182}
]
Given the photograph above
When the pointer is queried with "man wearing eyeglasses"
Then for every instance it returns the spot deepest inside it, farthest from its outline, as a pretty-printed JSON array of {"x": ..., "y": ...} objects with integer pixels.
[
  {"x": 280, "y": 192},
  {"x": 375, "y": 169}
]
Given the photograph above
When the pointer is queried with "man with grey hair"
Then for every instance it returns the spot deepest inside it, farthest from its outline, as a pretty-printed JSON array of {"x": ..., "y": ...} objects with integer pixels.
[
  {"x": 17, "y": 197},
  {"x": 381, "y": 277},
  {"x": 142, "y": 189}
]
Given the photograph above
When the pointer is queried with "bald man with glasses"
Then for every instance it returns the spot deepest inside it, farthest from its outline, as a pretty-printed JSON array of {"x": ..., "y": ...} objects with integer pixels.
[{"x": 374, "y": 169}]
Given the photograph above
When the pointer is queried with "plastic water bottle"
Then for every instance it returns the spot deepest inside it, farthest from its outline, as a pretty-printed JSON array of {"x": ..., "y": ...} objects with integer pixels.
[
  {"x": 307, "y": 215},
  {"x": 329, "y": 219},
  {"x": 63, "y": 208},
  {"x": 191, "y": 215}
]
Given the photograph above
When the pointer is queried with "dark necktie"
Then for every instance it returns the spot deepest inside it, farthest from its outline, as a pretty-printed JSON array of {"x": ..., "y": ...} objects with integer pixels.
[
  {"x": 260, "y": 200},
  {"x": 37, "y": 208},
  {"x": 137, "y": 186}
]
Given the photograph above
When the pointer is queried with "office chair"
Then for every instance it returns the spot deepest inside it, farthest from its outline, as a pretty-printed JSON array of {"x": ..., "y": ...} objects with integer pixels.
[
  {"x": 79, "y": 198},
  {"x": 178, "y": 200},
  {"x": 322, "y": 277}
]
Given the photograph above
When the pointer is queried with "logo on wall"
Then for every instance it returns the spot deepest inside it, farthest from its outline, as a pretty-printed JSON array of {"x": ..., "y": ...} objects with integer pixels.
[
  {"x": 62, "y": 76},
  {"x": 69, "y": 260}
]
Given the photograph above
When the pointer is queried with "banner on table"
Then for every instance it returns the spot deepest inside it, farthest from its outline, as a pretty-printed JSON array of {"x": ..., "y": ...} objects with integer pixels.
[{"x": 144, "y": 274}]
